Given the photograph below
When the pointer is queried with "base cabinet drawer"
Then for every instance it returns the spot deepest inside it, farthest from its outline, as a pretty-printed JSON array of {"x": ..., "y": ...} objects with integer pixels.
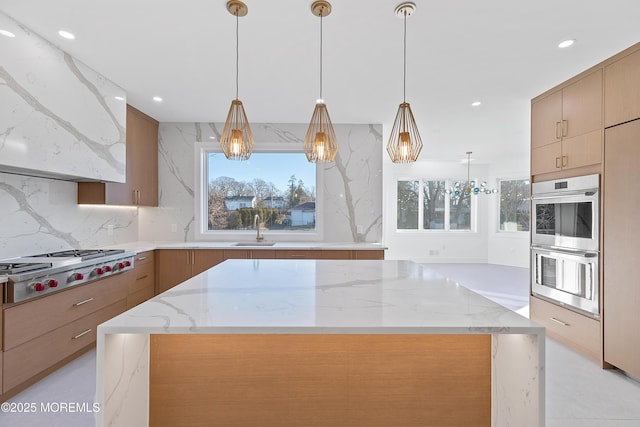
[
  {"x": 579, "y": 332},
  {"x": 143, "y": 277},
  {"x": 27, "y": 360},
  {"x": 31, "y": 319}
]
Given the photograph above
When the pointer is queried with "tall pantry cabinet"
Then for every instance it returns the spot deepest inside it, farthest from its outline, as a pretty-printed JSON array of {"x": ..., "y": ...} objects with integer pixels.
[
  {"x": 621, "y": 247},
  {"x": 621, "y": 242}
]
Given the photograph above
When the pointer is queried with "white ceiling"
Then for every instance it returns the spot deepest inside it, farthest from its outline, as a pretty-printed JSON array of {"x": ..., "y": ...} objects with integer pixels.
[{"x": 501, "y": 52}]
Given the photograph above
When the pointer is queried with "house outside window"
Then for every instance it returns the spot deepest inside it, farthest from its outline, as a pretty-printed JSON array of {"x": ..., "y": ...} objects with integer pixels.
[
  {"x": 514, "y": 205},
  {"x": 425, "y": 205},
  {"x": 278, "y": 186}
]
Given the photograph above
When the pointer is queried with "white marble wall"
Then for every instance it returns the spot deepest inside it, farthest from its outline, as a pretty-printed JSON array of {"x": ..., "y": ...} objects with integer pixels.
[
  {"x": 41, "y": 215},
  {"x": 352, "y": 205},
  {"x": 58, "y": 117}
]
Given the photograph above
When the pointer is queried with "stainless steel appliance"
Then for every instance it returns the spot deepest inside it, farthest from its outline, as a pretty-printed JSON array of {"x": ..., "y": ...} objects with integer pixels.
[
  {"x": 33, "y": 276},
  {"x": 565, "y": 242},
  {"x": 565, "y": 213},
  {"x": 567, "y": 278}
]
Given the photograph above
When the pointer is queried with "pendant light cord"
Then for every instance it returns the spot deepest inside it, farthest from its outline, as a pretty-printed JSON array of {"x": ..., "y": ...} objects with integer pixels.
[
  {"x": 404, "y": 61},
  {"x": 321, "y": 14},
  {"x": 237, "y": 50}
]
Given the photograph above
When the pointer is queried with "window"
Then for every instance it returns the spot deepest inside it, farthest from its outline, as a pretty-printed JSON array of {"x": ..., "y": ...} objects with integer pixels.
[
  {"x": 425, "y": 205},
  {"x": 279, "y": 187},
  {"x": 514, "y": 205}
]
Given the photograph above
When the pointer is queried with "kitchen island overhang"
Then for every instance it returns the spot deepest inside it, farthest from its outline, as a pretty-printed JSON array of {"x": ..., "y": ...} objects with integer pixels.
[{"x": 338, "y": 312}]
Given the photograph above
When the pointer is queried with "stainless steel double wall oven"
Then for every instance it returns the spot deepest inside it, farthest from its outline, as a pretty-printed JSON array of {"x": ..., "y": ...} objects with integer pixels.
[{"x": 565, "y": 242}]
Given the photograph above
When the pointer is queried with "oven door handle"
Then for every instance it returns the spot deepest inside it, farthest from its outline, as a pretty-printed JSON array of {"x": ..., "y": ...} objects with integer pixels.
[
  {"x": 560, "y": 196},
  {"x": 564, "y": 251}
]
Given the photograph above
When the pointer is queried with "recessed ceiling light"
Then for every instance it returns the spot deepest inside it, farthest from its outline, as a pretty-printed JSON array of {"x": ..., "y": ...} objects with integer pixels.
[
  {"x": 476, "y": 104},
  {"x": 7, "y": 33},
  {"x": 212, "y": 137},
  {"x": 119, "y": 98},
  {"x": 566, "y": 43},
  {"x": 157, "y": 99},
  {"x": 66, "y": 34}
]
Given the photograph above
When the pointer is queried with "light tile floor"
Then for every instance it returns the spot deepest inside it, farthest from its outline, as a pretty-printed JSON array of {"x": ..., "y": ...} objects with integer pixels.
[{"x": 578, "y": 392}]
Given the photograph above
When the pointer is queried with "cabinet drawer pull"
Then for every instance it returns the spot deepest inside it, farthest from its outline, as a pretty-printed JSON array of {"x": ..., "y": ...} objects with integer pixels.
[
  {"x": 559, "y": 321},
  {"x": 142, "y": 258},
  {"x": 565, "y": 161},
  {"x": 558, "y": 165},
  {"x": 558, "y": 130},
  {"x": 565, "y": 128},
  {"x": 82, "y": 334},
  {"x": 143, "y": 277},
  {"x": 297, "y": 256},
  {"x": 83, "y": 302}
]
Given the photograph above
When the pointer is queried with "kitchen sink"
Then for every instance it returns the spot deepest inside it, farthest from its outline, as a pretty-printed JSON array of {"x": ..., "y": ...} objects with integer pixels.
[{"x": 254, "y": 244}]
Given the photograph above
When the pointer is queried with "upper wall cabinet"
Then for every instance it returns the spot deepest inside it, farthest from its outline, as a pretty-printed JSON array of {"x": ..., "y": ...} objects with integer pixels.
[
  {"x": 141, "y": 187},
  {"x": 58, "y": 117},
  {"x": 566, "y": 126},
  {"x": 622, "y": 90}
]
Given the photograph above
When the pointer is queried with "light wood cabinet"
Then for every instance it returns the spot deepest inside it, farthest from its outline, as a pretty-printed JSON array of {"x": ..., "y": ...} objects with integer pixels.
[
  {"x": 575, "y": 330},
  {"x": 622, "y": 90},
  {"x": 43, "y": 334},
  {"x": 26, "y": 321},
  {"x": 174, "y": 266},
  {"x": 27, "y": 360},
  {"x": 141, "y": 283},
  {"x": 621, "y": 246},
  {"x": 141, "y": 188},
  {"x": 566, "y": 126}
]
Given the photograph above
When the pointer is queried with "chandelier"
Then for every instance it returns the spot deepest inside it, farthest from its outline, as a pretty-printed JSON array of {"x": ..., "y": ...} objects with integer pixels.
[{"x": 464, "y": 189}]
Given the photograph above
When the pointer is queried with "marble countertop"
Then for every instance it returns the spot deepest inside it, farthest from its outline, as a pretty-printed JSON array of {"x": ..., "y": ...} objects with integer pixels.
[
  {"x": 149, "y": 246},
  {"x": 4, "y": 279},
  {"x": 319, "y": 296}
]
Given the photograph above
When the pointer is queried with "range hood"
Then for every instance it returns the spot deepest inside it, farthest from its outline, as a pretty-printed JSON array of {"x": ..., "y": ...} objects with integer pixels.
[{"x": 58, "y": 117}]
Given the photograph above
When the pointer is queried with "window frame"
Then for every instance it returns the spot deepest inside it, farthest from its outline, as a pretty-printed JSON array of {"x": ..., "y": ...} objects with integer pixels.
[
  {"x": 499, "y": 201},
  {"x": 447, "y": 213},
  {"x": 201, "y": 184}
]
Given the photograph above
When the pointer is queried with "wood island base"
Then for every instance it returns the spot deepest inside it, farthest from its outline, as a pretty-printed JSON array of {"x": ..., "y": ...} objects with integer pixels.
[{"x": 320, "y": 380}]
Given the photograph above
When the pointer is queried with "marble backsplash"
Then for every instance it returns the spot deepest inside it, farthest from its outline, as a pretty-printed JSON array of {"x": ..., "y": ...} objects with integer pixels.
[
  {"x": 42, "y": 215},
  {"x": 58, "y": 117},
  {"x": 352, "y": 203}
]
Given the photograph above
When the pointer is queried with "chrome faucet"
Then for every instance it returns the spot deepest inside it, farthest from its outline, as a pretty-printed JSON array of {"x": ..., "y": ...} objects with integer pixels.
[{"x": 256, "y": 225}]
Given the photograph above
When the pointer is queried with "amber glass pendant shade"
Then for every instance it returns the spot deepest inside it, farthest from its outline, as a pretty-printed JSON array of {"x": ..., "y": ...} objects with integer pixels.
[
  {"x": 320, "y": 141},
  {"x": 237, "y": 140},
  {"x": 404, "y": 144}
]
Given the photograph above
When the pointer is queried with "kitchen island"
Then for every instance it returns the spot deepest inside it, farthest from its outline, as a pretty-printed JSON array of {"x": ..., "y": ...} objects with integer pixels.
[{"x": 281, "y": 342}]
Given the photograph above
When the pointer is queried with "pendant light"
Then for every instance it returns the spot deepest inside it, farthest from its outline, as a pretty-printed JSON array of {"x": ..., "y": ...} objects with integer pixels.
[
  {"x": 237, "y": 140},
  {"x": 467, "y": 188},
  {"x": 404, "y": 144},
  {"x": 320, "y": 143}
]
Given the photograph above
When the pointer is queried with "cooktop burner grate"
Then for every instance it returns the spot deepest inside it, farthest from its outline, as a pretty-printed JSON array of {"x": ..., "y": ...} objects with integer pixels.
[
  {"x": 21, "y": 267},
  {"x": 81, "y": 253}
]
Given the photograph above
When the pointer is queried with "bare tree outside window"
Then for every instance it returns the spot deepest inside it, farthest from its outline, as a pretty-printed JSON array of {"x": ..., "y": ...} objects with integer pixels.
[
  {"x": 433, "y": 197},
  {"x": 514, "y": 205},
  {"x": 278, "y": 187},
  {"x": 408, "y": 197}
]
